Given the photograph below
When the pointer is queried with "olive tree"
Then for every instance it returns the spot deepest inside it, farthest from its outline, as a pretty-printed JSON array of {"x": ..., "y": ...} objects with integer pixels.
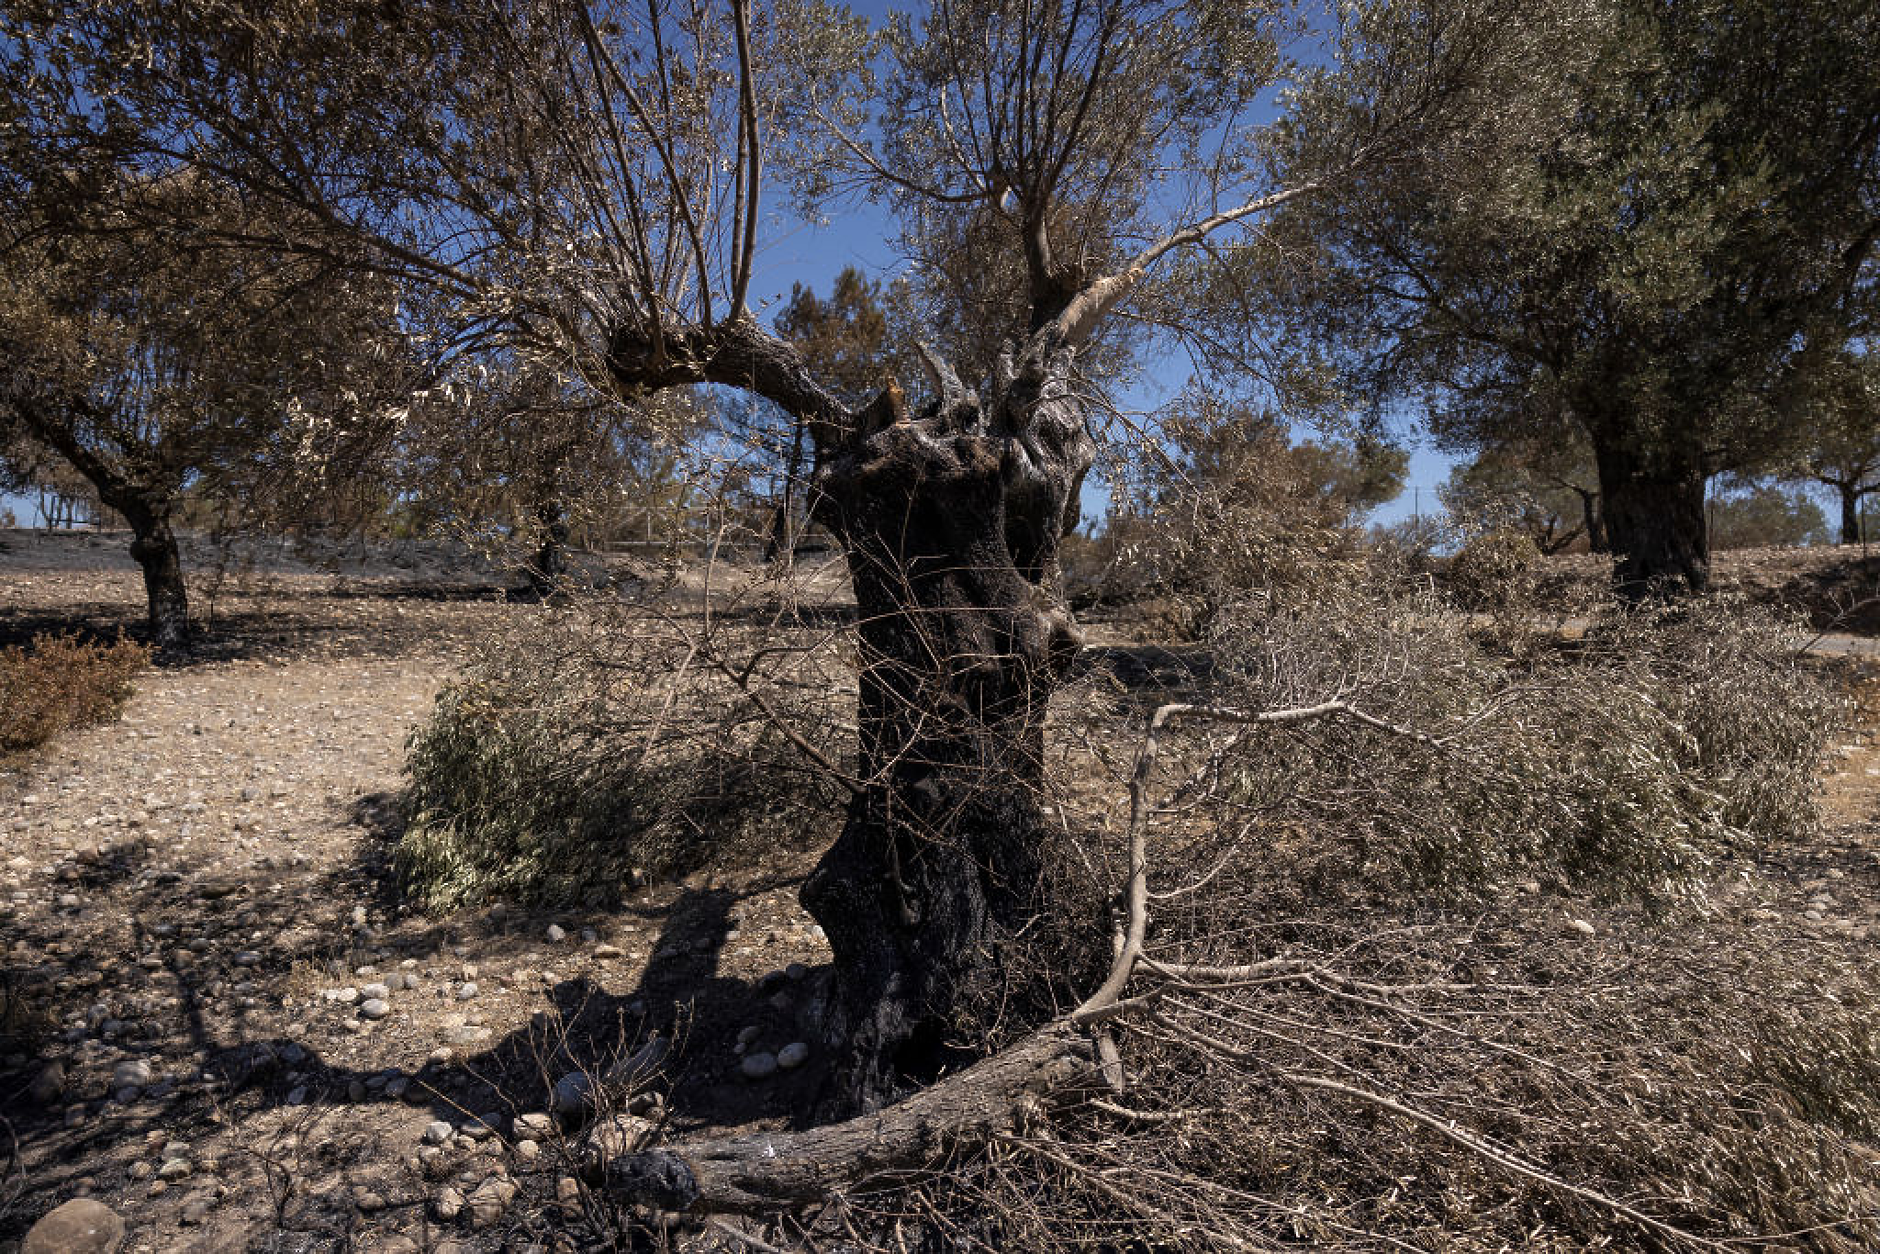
[
  {"x": 1645, "y": 244},
  {"x": 589, "y": 184},
  {"x": 155, "y": 361}
]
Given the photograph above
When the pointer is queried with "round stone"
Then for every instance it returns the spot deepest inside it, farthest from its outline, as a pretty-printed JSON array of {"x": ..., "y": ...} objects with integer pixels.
[
  {"x": 132, "y": 1071},
  {"x": 793, "y": 1055},
  {"x": 374, "y": 1008},
  {"x": 80, "y": 1226},
  {"x": 758, "y": 1066}
]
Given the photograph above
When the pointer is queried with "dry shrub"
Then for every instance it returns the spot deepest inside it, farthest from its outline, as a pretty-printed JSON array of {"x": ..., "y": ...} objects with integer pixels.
[
  {"x": 1257, "y": 524},
  {"x": 62, "y": 683},
  {"x": 595, "y": 740},
  {"x": 1625, "y": 762},
  {"x": 1416, "y": 1082},
  {"x": 1319, "y": 1053},
  {"x": 1494, "y": 569}
]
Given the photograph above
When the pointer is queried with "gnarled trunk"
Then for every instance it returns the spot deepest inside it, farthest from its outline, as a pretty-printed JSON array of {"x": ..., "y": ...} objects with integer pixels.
[
  {"x": 1595, "y": 522},
  {"x": 1654, "y": 516},
  {"x": 951, "y": 523},
  {"x": 1850, "y": 512},
  {"x": 154, "y": 548}
]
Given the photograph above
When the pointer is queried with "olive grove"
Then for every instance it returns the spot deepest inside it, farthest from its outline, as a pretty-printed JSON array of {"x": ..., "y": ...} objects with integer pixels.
[{"x": 577, "y": 196}]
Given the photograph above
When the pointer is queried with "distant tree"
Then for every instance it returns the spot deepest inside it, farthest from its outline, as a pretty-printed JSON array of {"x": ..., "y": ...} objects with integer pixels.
[
  {"x": 1644, "y": 244},
  {"x": 845, "y": 336},
  {"x": 1758, "y": 515},
  {"x": 1227, "y": 508},
  {"x": 155, "y": 362},
  {"x": 1841, "y": 426},
  {"x": 1548, "y": 490}
]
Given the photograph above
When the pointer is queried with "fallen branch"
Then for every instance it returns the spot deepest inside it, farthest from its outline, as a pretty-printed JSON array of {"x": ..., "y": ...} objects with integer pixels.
[{"x": 771, "y": 1172}]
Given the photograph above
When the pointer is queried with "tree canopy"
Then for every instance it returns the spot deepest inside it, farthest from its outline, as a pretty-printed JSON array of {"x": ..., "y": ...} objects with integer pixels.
[{"x": 1647, "y": 245}]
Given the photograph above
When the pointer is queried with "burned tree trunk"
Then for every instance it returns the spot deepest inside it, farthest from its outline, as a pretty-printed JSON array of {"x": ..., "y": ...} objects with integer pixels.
[
  {"x": 154, "y": 548},
  {"x": 1654, "y": 518},
  {"x": 951, "y": 520},
  {"x": 1593, "y": 520},
  {"x": 951, "y": 523},
  {"x": 549, "y": 562}
]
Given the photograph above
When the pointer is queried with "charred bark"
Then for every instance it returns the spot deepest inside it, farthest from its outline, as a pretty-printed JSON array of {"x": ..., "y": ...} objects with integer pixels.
[
  {"x": 1594, "y": 521},
  {"x": 154, "y": 548},
  {"x": 951, "y": 521},
  {"x": 549, "y": 562},
  {"x": 951, "y": 524},
  {"x": 1654, "y": 517},
  {"x": 770, "y": 1172}
]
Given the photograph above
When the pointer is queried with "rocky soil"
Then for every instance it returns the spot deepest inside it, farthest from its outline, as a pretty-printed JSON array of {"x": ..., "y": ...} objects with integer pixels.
[{"x": 227, "y": 1027}]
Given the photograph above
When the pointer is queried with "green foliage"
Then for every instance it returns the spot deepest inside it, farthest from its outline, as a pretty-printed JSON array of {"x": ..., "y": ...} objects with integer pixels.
[
  {"x": 1579, "y": 256},
  {"x": 1765, "y": 514},
  {"x": 585, "y": 748},
  {"x": 61, "y": 683}
]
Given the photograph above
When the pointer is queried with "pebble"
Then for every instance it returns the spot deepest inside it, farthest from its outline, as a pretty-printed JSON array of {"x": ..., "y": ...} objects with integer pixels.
[
  {"x": 131, "y": 1072},
  {"x": 174, "y": 1169},
  {"x": 535, "y": 1126},
  {"x": 375, "y": 991},
  {"x": 572, "y": 1093},
  {"x": 49, "y": 1084},
  {"x": 793, "y": 1055},
  {"x": 490, "y": 1199},
  {"x": 758, "y": 1066},
  {"x": 1581, "y": 926},
  {"x": 622, "y": 1134},
  {"x": 556, "y": 934},
  {"x": 607, "y": 951},
  {"x": 448, "y": 1204},
  {"x": 374, "y": 1008},
  {"x": 436, "y": 1132},
  {"x": 466, "y": 990}
]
